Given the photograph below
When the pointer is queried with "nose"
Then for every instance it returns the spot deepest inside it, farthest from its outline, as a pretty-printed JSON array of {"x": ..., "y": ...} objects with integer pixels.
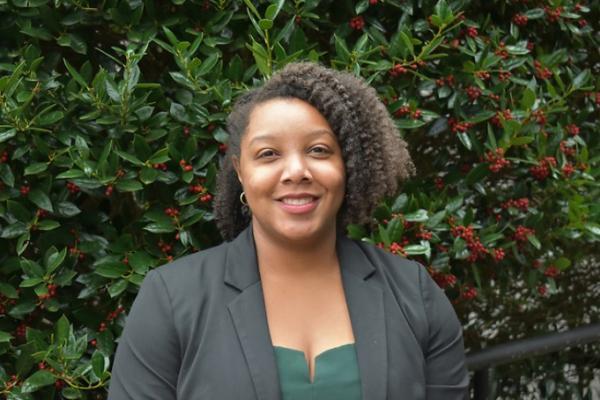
[{"x": 296, "y": 169}]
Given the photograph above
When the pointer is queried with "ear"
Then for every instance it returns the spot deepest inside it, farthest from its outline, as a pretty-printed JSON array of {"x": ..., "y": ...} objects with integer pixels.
[{"x": 236, "y": 165}]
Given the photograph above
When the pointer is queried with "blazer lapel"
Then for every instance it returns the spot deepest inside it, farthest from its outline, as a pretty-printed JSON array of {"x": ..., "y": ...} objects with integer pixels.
[
  {"x": 249, "y": 316},
  {"x": 365, "y": 303}
]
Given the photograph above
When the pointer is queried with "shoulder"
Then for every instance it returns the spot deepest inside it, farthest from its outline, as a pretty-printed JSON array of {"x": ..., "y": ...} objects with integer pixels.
[{"x": 193, "y": 271}]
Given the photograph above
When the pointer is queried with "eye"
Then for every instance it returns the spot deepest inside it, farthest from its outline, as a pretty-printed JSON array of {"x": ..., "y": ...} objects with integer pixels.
[
  {"x": 320, "y": 150},
  {"x": 267, "y": 153}
]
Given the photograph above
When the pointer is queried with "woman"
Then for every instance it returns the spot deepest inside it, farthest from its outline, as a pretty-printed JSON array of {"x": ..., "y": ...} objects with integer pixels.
[{"x": 289, "y": 308}]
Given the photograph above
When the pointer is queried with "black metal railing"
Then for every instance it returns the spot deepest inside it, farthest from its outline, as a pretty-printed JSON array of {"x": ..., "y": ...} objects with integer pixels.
[{"x": 481, "y": 361}]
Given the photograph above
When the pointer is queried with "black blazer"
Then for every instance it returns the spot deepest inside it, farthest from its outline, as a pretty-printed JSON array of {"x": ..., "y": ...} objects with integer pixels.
[{"x": 198, "y": 329}]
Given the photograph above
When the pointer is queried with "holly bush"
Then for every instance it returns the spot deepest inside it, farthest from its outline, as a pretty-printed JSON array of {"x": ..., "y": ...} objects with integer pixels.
[{"x": 111, "y": 131}]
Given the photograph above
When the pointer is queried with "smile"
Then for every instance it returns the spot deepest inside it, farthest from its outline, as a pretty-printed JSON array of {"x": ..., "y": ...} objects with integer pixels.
[{"x": 300, "y": 205}]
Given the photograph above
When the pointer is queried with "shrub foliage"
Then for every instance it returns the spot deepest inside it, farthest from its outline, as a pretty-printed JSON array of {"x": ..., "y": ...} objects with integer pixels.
[{"x": 111, "y": 128}]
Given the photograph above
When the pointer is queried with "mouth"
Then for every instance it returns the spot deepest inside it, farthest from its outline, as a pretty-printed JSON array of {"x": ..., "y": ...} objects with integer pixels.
[
  {"x": 299, "y": 205},
  {"x": 297, "y": 201}
]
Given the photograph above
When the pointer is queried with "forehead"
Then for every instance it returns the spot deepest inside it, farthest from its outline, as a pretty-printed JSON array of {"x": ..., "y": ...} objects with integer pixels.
[{"x": 285, "y": 115}]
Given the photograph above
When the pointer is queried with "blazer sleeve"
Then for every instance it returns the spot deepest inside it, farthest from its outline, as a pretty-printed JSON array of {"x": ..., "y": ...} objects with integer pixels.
[
  {"x": 147, "y": 360},
  {"x": 446, "y": 373}
]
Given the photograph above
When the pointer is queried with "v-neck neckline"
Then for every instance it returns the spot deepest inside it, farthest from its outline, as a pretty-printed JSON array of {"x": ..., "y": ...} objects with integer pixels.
[{"x": 317, "y": 357}]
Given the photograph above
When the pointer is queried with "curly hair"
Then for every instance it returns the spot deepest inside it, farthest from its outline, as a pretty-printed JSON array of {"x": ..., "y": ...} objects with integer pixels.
[{"x": 375, "y": 157}]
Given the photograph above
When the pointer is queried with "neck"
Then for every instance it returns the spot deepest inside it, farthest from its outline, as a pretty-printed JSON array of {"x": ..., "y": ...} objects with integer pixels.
[{"x": 280, "y": 258}]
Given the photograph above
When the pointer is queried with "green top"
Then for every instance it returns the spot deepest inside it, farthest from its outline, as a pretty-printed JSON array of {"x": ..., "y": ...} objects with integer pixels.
[{"x": 336, "y": 374}]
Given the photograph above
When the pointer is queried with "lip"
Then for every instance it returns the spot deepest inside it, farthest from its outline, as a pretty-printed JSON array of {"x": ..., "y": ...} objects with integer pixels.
[{"x": 298, "y": 209}]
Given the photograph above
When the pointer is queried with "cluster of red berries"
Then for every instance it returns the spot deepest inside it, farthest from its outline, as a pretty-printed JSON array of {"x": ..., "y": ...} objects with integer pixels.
[
  {"x": 186, "y": 167},
  {"x": 396, "y": 248},
  {"x": 542, "y": 290},
  {"x": 357, "y": 23},
  {"x": 553, "y": 14},
  {"x": 566, "y": 149},
  {"x": 51, "y": 292},
  {"x": 520, "y": 19},
  {"x": 205, "y": 198},
  {"x": 443, "y": 280},
  {"x": 196, "y": 189},
  {"x": 397, "y": 70},
  {"x": 73, "y": 188},
  {"x": 476, "y": 248},
  {"x": 114, "y": 314},
  {"x": 521, "y": 233},
  {"x": 21, "y": 330},
  {"x": 521, "y": 204},
  {"x": 473, "y": 92},
  {"x": 542, "y": 169},
  {"x": 172, "y": 212},
  {"x": 186, "y": 131},
  {"x": 373, "y": 2},
  {"x": 540, "y": 117},
  {"x": 471, "y": 31},
  {"x": 223, "y": 148},
  {"x": 75, "y": 252},
  {"x": 161, "y": 166},
  {"x": 572, "y": 129},
  {"x": 468, "y": 293},
  {"x": 504, "y": 75},
  {"x": 41, "y": 213},
  {"x": 551, "y": 271},
  {"x": 4, "y": 157},
  {"x": 109, "y": 190},
  {"x": 164, "y": 247},
  {"x": 582, "y": 23},
  {"x": 501, "y": 115},
  {"x": 497, "y": 160},
  {"x": 402, "y": 111},
  {"x": 456, "y": 126},
  {"x": 568, "y": 169},
  {"x": 448, "y": 80},
  {"x": 439, "y": 183},
  {"x": 424, "y": 234},
  {"x": 24, "y": 190},
  {"x": 541, "y": 71},
  {"x": 498, "y": 254},
  {"x": 501, "y": 51},
  {"x": 483, "y": 75}
]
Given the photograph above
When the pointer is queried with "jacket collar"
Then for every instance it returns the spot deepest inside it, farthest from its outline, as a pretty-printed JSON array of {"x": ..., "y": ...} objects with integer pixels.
[{"x": 365, "y": 303}]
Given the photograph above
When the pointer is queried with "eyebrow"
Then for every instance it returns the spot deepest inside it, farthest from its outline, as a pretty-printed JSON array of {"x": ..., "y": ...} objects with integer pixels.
[{"x": 270, "y": 136}]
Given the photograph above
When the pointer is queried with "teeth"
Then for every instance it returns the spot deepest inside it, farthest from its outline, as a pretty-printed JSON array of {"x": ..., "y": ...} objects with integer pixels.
[{"x": 297, "y": 202}]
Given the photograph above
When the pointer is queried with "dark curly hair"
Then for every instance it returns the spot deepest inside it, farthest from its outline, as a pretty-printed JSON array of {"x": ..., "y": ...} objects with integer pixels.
[{"x": 375, "y": 156}]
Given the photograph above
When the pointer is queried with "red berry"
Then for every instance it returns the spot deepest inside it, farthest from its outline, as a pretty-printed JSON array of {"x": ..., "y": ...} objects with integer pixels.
[{"x": 357, "y": 23}]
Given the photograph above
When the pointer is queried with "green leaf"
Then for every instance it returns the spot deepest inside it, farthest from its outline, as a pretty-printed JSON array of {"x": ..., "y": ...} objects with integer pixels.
[
  {"x": 129, "y": 185},
  {"x": 36, "y": 168},
  {"x": 6, "y": 175},
  {"x": 129, "y": 157},
  {"x": 76, "y": 75},
  {"x": 55, "y": 260},
  {"x": 581, "y": 79},
  {"x": 61, "y": 330},
  {"x": 117, "y": 288},
  {"x": 534, "y": 241},
  {"x": 37, "y": 381},
  {"x": 99, "y": 365},
  {"x": 409, "y": 123},
  {"x": 13, "y": 231},
  {"x": 160, "y": 228},
  {"x": 527, "y": 99},
  {"x": 5, "y": 337},
  {"x": 8, "y": 134},
  {"x": 406, "y": 40},
  {"x": 67, "y": 209},
  {"x": 465, "y": 140},
  {"x": 111, "y": 270},
  {"x": 341, "y": 49},
  {"x": 30, "y": 282},
  {"x": 40, "y": 199},
  {"x": 521, "y": 140},
  {"x": 71, "y": 174},
  {"x": 417, "y": 216},
  {"x": 265, "y": 24}
]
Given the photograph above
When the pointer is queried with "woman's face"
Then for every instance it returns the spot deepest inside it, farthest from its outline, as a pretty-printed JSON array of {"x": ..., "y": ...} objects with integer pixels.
[{"x": 292, "y": 171}]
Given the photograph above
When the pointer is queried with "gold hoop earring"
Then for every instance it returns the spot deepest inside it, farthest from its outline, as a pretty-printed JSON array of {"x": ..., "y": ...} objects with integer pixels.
[{"x": 243, "y": 199}]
